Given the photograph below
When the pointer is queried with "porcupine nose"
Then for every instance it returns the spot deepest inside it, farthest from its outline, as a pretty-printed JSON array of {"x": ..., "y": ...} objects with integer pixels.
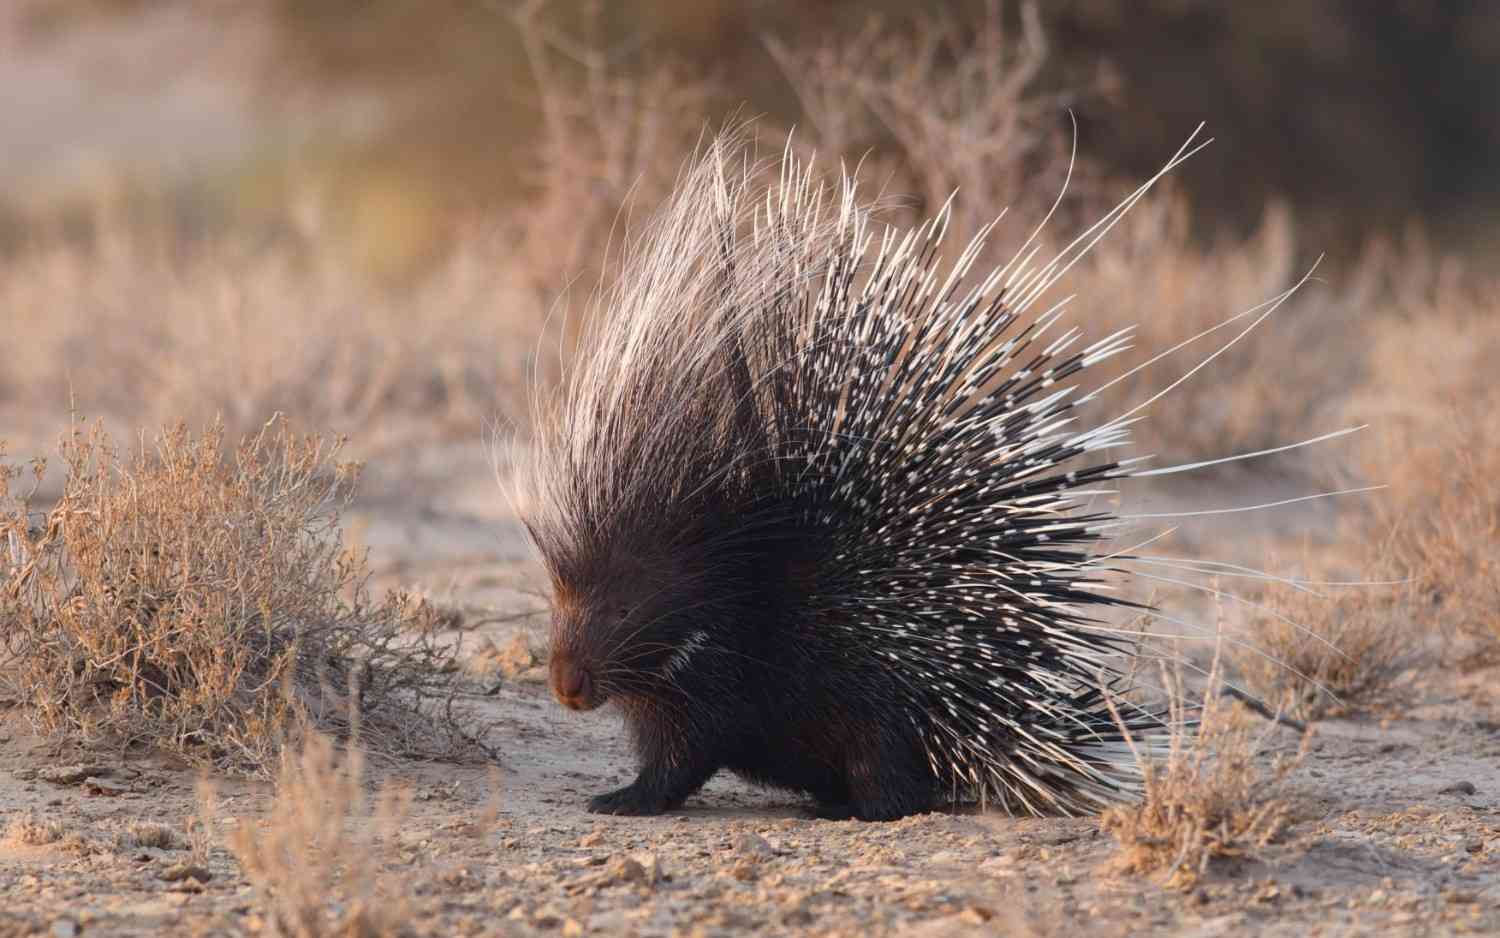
[{"x": 572, "y": 685}]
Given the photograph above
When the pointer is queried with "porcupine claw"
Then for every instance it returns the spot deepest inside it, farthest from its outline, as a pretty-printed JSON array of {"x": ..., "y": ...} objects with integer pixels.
[
  {"x": 663, "y": 784},
  {"x": 630, "y": 801}
]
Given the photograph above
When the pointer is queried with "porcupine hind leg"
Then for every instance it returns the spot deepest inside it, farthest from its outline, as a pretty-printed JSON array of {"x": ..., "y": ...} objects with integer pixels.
[
  {"x": 888, "y": 777},
  {"x": 673, "y": 766}
]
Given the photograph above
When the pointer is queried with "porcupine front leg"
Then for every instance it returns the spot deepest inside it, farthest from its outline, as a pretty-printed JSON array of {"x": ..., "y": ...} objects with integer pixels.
[{"x": 673, "y": 767}]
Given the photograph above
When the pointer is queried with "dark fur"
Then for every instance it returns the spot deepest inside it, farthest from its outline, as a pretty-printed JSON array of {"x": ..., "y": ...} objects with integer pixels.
[{"x": 771, "y": 701}]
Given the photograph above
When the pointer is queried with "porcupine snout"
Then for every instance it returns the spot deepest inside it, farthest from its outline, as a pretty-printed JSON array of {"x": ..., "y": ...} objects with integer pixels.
[{"x": 573, "y": 684}]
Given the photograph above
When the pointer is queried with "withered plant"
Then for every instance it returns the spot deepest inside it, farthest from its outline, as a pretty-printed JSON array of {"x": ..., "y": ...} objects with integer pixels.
[
  {"x": 180, "y": 598},
  {"x": 1311, "y": 648},
  {"x": 316, "y": 860},
  {"x": 1213, "y": 791}
]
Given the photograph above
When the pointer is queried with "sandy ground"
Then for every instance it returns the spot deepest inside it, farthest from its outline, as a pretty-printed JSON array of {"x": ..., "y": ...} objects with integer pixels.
[{"x": 1397, "y": 832}]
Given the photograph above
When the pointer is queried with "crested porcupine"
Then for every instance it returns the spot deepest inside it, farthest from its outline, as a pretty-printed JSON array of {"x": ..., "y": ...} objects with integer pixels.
[{"x": 816, "y": 510}]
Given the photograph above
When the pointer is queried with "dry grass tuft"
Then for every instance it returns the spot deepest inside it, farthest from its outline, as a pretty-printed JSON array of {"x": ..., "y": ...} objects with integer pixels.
[
  {"x": 1449, "y": 526},
  {"x": 145, "y": 326},
  {"x": 1437, "y": 445},
  {"x": 315, "y": 860},
  {"x": 30, "y": 830},
  {"x": 208, "y": 606},
  {"x": 1213, "y": 794},
  {"x": 1311, "y": 653},
  {"x": 148, "y": 834}
]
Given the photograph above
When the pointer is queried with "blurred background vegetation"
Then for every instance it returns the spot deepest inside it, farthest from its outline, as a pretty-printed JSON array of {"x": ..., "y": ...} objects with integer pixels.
[
  {"x": 383, "y": 124},
  {"x": 370, "y": 214}
]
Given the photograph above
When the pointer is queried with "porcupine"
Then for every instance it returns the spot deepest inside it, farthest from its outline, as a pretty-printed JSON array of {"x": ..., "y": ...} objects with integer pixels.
[{"x": 816, "y": 511}]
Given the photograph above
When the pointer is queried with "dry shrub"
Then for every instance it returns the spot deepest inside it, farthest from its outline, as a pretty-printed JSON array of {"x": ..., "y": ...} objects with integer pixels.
[
  {"x": 316, "y": 860},
  {"x": 148, "y": 834},
  {"x": 1451, "y": 544},
  {"x": 1437, "y": 446},
  {"x": 27, "y": 829},
  {"x": 1212, "y": 795},
  {"x": 616, "y": 128},
  {"x": 208, "y": 606},
  {"x": 1312, "y": 654},
  {"x": 1446, "y": 517},
  {"x": 939, "y": 105},
  {"x": 145, "y": 325}
]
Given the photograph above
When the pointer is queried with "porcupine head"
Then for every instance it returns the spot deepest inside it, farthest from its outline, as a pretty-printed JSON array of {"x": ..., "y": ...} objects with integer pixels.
[{"x": 814, "y": 506}]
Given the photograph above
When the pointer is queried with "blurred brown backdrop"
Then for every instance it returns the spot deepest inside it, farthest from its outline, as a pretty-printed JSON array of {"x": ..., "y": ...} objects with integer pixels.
[
  {"x": 400, "y": 115},
  {"x": 385, "y": 217}
]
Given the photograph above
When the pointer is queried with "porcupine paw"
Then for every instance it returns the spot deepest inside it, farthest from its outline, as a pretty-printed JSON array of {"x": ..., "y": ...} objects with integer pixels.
[
  {"x": 831, "y": 811},
  {"x": 862, "y": 811},
  {"x": 891, "y": 799},
  {"x": 630, "y": 801},
  {"x": 884, "y": 810}
]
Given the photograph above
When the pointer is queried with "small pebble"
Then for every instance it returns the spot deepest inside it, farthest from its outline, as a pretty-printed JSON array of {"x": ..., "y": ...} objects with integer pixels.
[{"x": 754, "y": 846}]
